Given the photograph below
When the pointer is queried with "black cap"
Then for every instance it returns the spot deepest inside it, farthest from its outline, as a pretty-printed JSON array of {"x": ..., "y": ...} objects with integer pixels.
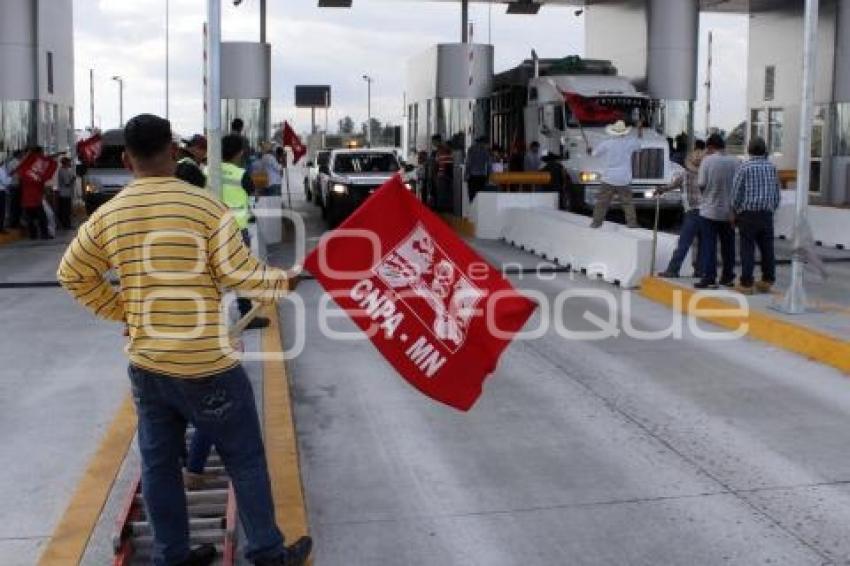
[
  {"x": 147, "y": 135},
  {"x": 196, "y": 141}
]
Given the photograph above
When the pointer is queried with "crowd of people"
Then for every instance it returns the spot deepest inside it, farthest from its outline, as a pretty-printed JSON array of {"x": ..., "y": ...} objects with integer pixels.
[
  {"x": 436, "y": 168},
  {"x": 39, "y": 207},
  {"x": 722, "y": 195}
]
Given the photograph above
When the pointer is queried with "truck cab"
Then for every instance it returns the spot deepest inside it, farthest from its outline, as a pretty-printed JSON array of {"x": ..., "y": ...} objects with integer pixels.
[{"x": 567, "y": 110}]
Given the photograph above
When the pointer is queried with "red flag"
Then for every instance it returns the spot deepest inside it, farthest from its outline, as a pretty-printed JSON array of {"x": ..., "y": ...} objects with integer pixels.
[
  {"x": 438, "y": 312},
  {"x": 37, "y": 168},
  {"x": 291, "y": 139},
  {"x": 588, "y": 110},
  {"x": 89, "y": 149}
]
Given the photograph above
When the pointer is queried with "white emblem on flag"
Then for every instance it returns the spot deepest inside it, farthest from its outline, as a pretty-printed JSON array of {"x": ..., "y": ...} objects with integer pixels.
[{"x": 419, "y": 269}]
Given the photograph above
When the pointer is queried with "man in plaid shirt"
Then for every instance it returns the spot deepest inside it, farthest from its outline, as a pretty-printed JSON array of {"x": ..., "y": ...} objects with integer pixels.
[{"x": 755, "y": 197}]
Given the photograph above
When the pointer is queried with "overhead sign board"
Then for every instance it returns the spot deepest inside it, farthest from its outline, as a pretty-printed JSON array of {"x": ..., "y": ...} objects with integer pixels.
[{"x": 312, "y": 96}]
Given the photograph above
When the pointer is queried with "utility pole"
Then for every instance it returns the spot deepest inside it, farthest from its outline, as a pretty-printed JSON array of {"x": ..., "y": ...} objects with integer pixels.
[
  {"x": 91, "y": 96},
  {"x": 708, "y": 82},
  {"x": 795, "y": 298},
  {"x": 120, "y": 82},
  {"x": 368, "y": 80},
  {"x": 263, "y": 21},
  {"x": 213, "y": 95},
  {"x": 167, "y": 59}
]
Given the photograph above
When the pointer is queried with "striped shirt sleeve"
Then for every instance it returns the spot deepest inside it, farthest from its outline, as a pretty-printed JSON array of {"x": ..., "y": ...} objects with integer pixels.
[
  {"x": 235, "y": 268},
  {"x": 82, "y": 272}
]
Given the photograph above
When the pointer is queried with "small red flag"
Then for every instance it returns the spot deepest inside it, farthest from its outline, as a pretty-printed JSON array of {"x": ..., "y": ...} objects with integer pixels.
[
  {"x": 37, "y": 168},
  {"x": 291, "y": 139},
  {"x": 89, "y": 149},
  {"x": 438, "y": 312}
]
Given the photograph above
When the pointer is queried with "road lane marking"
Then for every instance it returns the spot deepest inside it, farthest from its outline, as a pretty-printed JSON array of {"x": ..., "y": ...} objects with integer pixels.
[
  {"x": 280, "y": 438},
  {"x": 71, "y": 536},
  {"x": 808, "y": 342}
]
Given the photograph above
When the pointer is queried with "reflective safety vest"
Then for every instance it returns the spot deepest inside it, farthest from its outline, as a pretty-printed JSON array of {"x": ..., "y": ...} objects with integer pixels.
[{"x": 234, "y": 195}]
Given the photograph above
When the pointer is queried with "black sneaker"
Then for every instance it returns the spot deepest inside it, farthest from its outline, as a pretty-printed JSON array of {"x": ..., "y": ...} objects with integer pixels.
[
  {"x": 295, "y": 555},
  {"x": 298, "y": 553},
  {"x": 705, "y": 285},
  {"x": 668, "y": 275},
  {"x": 728, "y": 283},
  {"x": 258, "y": 323},
  {"x": 203, "y": 555}
]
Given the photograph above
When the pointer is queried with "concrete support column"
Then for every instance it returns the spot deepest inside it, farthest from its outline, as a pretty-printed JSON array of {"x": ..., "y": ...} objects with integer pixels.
[
  {"x": 671, "y": 61},
  {"x": 839, "y": 188},
  {"x": 673, "y": 46},
  {"x": 464, "y": 21},
  {"x": 842, "y": 53}
]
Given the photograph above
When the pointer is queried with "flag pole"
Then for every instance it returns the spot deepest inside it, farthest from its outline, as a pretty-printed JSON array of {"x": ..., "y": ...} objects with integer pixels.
[
  {"x": 288, "y": 192},
  {"x": 795, "y": 298},
  {"x": 213, "y": 95}
]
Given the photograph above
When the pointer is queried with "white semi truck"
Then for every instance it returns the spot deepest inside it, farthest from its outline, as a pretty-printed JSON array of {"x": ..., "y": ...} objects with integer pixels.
[{"x": 565, "y": 105}]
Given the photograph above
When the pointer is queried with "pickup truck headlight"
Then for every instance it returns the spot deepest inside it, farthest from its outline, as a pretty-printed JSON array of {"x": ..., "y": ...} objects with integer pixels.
[
  {"x": 91, "y": 188},
  {"x": 340, "y": 189},
  {"x": 588, "y": 177}
]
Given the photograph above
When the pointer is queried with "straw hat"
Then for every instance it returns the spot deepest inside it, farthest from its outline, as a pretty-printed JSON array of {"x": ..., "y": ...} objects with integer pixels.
[{"x": 618, "y": 128}]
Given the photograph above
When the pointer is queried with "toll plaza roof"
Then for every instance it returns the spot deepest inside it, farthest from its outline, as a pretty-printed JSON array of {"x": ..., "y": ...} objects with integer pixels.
[{"x": 706, "y": 5}]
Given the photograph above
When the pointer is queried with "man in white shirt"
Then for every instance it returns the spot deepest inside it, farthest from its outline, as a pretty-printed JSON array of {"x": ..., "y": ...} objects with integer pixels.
[{"x": 616, "y": 175}]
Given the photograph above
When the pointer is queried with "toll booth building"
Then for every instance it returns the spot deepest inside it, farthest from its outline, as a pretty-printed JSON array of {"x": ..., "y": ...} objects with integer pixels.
[
  {"x": 449, "y": 86},
  {"x": 657, "y": 48},
  {"x": 36, "y": 75}
]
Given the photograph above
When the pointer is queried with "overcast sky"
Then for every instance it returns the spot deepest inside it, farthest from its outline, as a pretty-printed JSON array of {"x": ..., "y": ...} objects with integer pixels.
[{"x": 327, "y": 46}]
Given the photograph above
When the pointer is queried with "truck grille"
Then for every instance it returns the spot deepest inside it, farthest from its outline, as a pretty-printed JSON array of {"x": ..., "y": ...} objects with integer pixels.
[{"x": 648, "y": 164}]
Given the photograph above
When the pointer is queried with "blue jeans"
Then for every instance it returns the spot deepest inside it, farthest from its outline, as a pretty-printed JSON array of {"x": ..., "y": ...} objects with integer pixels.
[
  {"x": 756, "y": 229},
  {"x": 222, "y": 407},
  {"x": 710, "y": 232},
  {"x": 199, "y": 452},
  {"x": 690, "y": 230}
]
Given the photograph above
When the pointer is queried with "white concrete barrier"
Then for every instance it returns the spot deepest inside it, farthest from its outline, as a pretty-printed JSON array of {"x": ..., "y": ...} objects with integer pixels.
[
  {"x": 613, "y": 252},
  {"x": 488, "y": 210},
  {"x": 532, "y": 221},
  {"x": 830, "y": 226}
]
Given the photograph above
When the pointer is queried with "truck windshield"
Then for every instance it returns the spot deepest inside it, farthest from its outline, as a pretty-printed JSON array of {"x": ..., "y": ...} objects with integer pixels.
[
  {"x": 600, "y": 111},
  {"x": 366, "y": 163},
  {"x": 110, "y": 158}
]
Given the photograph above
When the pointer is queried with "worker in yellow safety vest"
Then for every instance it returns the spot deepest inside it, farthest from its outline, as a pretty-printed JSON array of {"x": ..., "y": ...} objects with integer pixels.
[
  {"x": 191, "y": 165},
  {"x": 236, "y": 188}
]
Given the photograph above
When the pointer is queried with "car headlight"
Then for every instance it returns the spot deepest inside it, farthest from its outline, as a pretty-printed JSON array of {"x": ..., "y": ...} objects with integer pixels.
[
  {"x": 649, "y": 194},
  {"x": 91, "y": 188},
  {"x": 588, "y": 177},
  {"x": 340, "y": 189},
  {"x": 408, "y": 186}
]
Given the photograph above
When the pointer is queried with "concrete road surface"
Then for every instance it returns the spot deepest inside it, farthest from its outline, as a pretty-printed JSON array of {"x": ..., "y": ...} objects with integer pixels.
[{"x": 622, "y": 451}]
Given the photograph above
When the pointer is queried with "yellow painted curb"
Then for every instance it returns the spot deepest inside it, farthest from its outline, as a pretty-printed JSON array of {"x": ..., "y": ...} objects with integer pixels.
[
  {"x": 12, "y": 235},
  {"x": 72, "y": 534},
  {"x": 281, "y": 442},
  {"x": 462, "y": 226},
  {"x": 813, "y": 344}
]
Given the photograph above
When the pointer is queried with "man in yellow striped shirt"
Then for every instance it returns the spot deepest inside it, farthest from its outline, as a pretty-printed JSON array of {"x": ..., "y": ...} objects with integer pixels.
[{"x": 175, "y": 249}]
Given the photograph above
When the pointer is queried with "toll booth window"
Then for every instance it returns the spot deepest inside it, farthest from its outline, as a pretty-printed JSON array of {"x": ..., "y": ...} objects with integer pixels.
[{"x": 366, "y": 163}]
